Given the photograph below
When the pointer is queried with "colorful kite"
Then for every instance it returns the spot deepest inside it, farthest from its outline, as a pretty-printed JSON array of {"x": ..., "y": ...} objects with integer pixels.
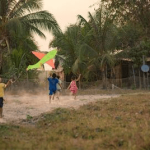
[
  {"x": 41, "y": 55},
  {"x": 44, "y": 59}
]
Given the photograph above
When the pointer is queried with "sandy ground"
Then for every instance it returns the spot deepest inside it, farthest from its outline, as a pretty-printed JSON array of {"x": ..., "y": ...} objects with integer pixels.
[{"x": 19, "y": 107}]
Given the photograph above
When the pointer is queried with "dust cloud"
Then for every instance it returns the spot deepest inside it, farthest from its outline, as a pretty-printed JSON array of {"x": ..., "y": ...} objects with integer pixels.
[{"x": 20, "y": 105}]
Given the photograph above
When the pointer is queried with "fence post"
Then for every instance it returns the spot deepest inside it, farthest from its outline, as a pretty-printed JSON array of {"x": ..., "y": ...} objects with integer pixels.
[
  {"x": 147, "y": 81},
  {"x": 134, "y": 76},
  {"x": 144, "y": 73},
  {"x": 139, "y": 79}
]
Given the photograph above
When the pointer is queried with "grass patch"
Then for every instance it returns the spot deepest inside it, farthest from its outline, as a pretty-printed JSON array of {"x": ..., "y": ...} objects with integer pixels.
[
  {"x": 29, "y": 117},
  {"x": 17, "y": 101},
  {"x": 110, "y": 91},
  {"x": 121, "y": 123}
]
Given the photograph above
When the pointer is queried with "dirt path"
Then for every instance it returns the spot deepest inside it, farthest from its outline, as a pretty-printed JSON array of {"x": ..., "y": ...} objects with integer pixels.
[{"x": 19, "y": 107}]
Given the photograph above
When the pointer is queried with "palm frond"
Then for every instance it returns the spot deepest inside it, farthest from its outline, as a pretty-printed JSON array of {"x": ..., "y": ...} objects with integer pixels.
[
  {"x": 25, "y": 6},
  {"x": 87, "y": 52},
  {"x": 82, "y": 21},
  {"x": 42, "y": 19},
  {"x": 14, "y": 26}
]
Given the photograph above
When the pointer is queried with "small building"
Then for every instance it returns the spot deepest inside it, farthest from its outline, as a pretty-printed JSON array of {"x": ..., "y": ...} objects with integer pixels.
[{"x": 125, "y": 70}]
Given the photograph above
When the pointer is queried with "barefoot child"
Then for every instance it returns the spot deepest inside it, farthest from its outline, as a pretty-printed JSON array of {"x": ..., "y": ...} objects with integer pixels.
[
  {"x": 58, "y": 86},
  {"x": 73, "y": 87},
  {"x": 2, "y": 86},
  {"x": 52, "y": 86}
]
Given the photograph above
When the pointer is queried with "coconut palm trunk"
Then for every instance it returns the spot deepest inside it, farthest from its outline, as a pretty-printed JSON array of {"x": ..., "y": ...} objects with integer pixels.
[{"x": 103, "y": 77}]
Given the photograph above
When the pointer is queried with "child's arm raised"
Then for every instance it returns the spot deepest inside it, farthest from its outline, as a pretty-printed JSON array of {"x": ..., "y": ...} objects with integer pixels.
[
  {"x": 8, "y": 83},
  {"x": 78, "y": 77}
]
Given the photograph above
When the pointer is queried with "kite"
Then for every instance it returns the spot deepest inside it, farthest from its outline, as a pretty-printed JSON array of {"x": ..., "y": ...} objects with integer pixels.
[
  {"x": 41, "y": 55},
  {"x": 46, "y": 58}
]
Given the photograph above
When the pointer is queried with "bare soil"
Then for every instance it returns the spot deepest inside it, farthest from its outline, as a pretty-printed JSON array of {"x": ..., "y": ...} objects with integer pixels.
[{"x": 19, "y": 107}]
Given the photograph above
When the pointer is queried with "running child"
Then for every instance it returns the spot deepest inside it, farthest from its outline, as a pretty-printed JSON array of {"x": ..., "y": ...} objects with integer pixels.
[
  {"x": 52, "y": 86},
  {"x": 73, "y": 86},
  {"x": 2, "y": 87},
  {"x": 58, "y": 86}
]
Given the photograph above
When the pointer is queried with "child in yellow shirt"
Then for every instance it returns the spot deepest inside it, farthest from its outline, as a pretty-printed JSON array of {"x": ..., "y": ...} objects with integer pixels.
[{"x": 2, "y": 86}]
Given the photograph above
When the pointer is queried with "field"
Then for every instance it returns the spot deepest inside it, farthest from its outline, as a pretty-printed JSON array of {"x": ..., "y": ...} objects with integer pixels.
[{"x": 118, "y": 120}]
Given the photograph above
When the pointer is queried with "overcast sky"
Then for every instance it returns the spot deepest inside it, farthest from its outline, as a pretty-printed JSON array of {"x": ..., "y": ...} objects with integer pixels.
[{"x": 65, "y": 12}]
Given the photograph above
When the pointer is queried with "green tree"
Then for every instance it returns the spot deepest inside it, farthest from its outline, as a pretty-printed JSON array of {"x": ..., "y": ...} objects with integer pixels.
[
  {"x": 88, "y": 46},
  {"x": 101, "y": 40},
  {"x": 135, "y": 11},
  {"x": 22, "y": 18},
  {"x": 68, "y": 45}
]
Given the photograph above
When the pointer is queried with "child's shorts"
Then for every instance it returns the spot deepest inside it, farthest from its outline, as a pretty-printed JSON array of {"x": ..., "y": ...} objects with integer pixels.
[
  {"x": 52, "y": 91},
  {"x": 1, "y": 102},
  {"x": 73, "y": 91},
  {"x": 59, "y": 90}
]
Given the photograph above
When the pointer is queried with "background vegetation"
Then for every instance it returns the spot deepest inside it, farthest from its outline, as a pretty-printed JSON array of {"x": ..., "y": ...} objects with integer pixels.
[
  {"x": 87, "y": 47},
  {"x": 19, "y": 19},
  {"x": 92, "y": 46}
]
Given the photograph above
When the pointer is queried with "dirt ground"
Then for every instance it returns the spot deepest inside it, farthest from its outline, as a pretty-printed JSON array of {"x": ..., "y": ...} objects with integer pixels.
[{"x": 18, "y": 107}]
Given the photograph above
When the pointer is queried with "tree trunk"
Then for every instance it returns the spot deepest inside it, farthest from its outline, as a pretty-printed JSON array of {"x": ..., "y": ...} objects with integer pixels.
[
  {"x": 112, "y": 75},
  {"x": 134, "y": 76},
  {"x": 106, "y": 77},
  {"x": 147, "y": 81},
  {"x": 144, "y": 80},
  {"x": 103, "y": 78}
]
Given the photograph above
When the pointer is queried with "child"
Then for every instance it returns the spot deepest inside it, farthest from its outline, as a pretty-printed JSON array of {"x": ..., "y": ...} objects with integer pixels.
[
  {"x": 2, "y": 86},
  {"x": 73, "y": 87},
  {"x": 58, "y": 86},
  {"x": 52, "y": 86}
]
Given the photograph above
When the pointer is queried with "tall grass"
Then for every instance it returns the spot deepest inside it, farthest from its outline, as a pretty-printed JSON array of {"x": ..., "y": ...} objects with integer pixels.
[{"x": 122, "y": 123}]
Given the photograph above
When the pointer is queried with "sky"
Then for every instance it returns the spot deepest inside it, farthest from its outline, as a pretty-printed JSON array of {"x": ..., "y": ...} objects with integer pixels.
[{"x": 65, "y": 12}]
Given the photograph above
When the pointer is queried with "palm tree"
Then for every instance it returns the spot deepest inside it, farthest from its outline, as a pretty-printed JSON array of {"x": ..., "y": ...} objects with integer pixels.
[
  {"x": 101, "y": 35},
  {"x": 20, "y": 18},
  {"x": 15, "y": 63},
  {"x": 68, "y": 45},
  {"x": 88, "y": 45}
]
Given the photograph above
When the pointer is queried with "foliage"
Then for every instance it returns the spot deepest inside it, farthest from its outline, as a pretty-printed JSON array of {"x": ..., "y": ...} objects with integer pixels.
[
  {"x": 102, "y": 38},
  {"x": 68, "y": 45},
  {"x": 133, "y": 44},
  {"x": 132, "y": 18},
  {"x": 136, "y": 53},
  {"x": 87, "y": 46},
  {"x": 23, "y": 18},
  {"x": 136, "y": 11},
  {"x": 16, "y": 64},
  {"x": 19, "y": 19}
]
